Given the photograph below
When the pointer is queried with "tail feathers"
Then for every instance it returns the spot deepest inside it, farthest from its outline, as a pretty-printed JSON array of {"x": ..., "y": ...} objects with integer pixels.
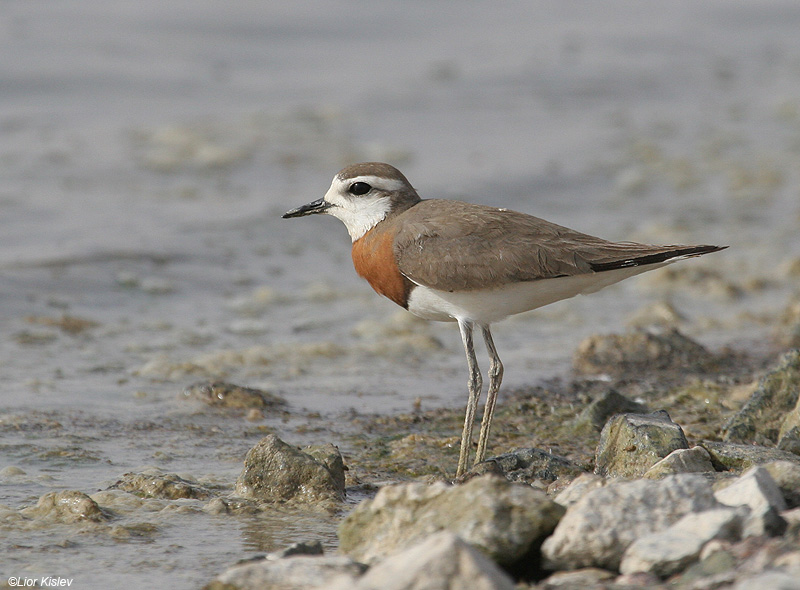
[{"x": 666, "y": 255}]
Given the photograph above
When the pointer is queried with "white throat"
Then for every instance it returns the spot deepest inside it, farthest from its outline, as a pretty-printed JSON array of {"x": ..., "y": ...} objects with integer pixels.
[{"x": 359, "y": 214}]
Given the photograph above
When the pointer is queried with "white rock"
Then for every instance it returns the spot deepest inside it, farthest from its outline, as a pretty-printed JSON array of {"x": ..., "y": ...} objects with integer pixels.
[
  {"x": 598, "y": 528},
  {"x": 443, "y": 560},
  {"x": 578, "y": 488},
  {"x": 297, "y": 572},
  {"x": 694, "y": 460},
  {"x": 771, "y": 580},
  {"x": 671, "y": 550},
  {"x": 756, "y": 489},
  {"x": 504, "y": 520},
  {"x": 589, "y": 577}
]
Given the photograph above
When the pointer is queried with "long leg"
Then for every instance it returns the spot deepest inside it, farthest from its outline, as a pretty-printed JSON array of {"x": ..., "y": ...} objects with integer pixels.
[
  {"x": 475, "y": 384},
  {"x": 495, "y": 378}
]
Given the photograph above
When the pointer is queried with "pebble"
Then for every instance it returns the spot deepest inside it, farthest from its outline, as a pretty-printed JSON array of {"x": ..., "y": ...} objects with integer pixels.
[
  {"x": 694, "y": 460},
  {"x": 757, "y": 490},
  {"x": 229, "y": 395},
  {"x": 442, "y": 560},
  {"x": 739, "y": 457},
  {"x": 786, "y": 475},
  {"x": 529, "y": 466},
  {"x": 69, "y": 506},
  {"x": 507, "y": 521},
  {"x": 670, "y": 551},
  {"x": 765, "y": 412},
  {"x": 275, "y": 471},
  {"x": 599, "y": 410},
  {"x": 161, "y": 485},
  {"x": 640, "y": 351},
  {"x": 286, "y": 573},
  {"x": 579, "y": 487},
  {"x": 596, "y": 530},
  {"x": 630, "y": 444}
]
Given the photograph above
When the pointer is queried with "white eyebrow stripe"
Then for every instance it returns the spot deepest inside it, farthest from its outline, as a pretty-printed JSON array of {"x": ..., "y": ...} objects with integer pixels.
[{"x": 381, "y": 182}]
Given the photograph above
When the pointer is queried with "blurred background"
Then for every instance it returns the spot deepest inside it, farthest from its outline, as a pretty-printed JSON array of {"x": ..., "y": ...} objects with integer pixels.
[{"x": 147, "y": 150}]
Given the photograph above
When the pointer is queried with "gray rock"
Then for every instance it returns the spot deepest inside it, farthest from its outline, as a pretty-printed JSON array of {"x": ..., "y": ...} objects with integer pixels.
[
  {"x": 298, "y": 572},
  {"x": 789, "y": 433},
  {"x": 786, "y": 475},
  {"x": 717, "y": 566},
  {"x": 588, "y": 577},
  {"x": 228, "y": 395},
  {"x": 670, "y": 551},
  {"x": 772, "y": 580},
  {"x": 694, "y": 460},
  {"x": 789, "y": 438},
  {"x": 441, "y": 561},
  {"x": 640, "y": 351},
  {"x": 277, "y": 472},
  {"x": 302, "y": 548},
  {"x": 154, "y": 484},
  {"x": 610, "y": 402},
  {"x": 578, "y": 488},
  {"x": 528, "y": 465},
  {"x": 757, "y": 490},
  {"x": 632, "y": 443},
  {"x": 759, "y": 421},
  {"x": 598, "y": 528},
  {"x": 506, "y": 521},
  {"x": 331, "y": 458},
  {"x": 738, "y": 458},
  {"x": 68, "y": 506}
]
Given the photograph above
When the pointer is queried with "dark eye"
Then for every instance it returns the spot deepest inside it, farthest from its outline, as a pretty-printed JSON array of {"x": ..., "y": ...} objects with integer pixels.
[{"x": 359, "y": 188}]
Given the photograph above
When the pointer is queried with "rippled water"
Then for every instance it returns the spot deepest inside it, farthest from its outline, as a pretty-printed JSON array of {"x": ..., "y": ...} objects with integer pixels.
[{"x": 148, "y": 149}]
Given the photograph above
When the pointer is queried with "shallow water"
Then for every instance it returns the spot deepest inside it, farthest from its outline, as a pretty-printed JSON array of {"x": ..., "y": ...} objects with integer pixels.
[{"x": 147, "y": 151}]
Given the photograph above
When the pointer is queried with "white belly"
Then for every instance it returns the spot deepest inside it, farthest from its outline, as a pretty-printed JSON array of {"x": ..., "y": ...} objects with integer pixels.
[{"x": 486, "y": 306}]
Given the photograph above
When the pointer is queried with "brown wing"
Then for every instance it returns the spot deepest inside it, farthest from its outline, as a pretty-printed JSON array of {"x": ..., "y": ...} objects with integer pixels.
[{"x": 454, "y": 246}]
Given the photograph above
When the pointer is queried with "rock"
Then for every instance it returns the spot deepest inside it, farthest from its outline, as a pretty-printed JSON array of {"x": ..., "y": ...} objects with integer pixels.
[
  {"x": 589, "y": 577},
  {"x": 598, "y": 528},
  {"x": 640, "y": 351},
  {"x": 228, "y": 395},
  {"x": 757, "y": 490},
  {"x": 792, "y": 518},
  {"x": 789, "y": 439},
  {"x": 161, "y": 485},
  {"x": 637, "y": 580},
  {"x": 789, "y": 433},
  {"x": 632, "y": 443},
  {"x": 734, "y": 457},
  {"x": 773, "y": 580},
  {"x": 298, "y": 572},
  {"x": 277, "y": 472},
  {"x": 610, "y": 402},
  {"x": 716, "y": 560},
  {"x": 660, "y": 314},
  {"x": 579, "y": 487},
  {"x": 694, "y": 460},
  {"x": 331, "y": 458},
  {"x": 442, "y": 560},
  {"x": 302, "y": 548},
  {"x": 759, "y": 421},
  {"x": 69, "y": 506},
  {"x": 506, "y": 521},
  {"x": 786, "y": 475},
  {"x": 528, "y": 465},
  {"x": 670, "y": 551}
]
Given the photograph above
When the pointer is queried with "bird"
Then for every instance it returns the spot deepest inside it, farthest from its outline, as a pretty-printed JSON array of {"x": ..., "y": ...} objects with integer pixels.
[{"x": 448, "y": 260}]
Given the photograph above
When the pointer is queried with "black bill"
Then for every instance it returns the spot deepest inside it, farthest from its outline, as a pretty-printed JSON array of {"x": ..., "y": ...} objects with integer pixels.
[{"x": 318, "y": 206}]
